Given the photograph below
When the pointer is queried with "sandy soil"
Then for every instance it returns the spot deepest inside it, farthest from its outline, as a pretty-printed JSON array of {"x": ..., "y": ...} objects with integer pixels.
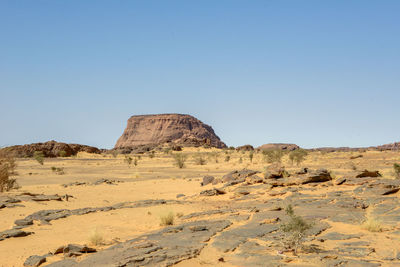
[{"x": 153, "y": 178}]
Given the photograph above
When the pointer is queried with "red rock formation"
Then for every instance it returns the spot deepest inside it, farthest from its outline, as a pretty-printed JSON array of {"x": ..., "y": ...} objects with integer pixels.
[{"x": 177, "y": 129}]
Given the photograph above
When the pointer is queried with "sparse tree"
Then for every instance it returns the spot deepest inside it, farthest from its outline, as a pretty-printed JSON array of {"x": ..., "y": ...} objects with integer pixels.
[
  {"x": 7, "y": 170},
  {"x": 128, "y": 160},
  {"x": 273, "y": 155},
  {"x": 251, "y": 156},
  {"x": 39, "y": 157},
  {"x": 295, "y": 230},
  {"x": 298, "y": 156}
]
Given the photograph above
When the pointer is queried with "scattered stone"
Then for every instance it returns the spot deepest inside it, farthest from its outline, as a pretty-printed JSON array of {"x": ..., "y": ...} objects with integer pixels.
[
  {"x": 340, "y": 181},
  {"x": 23, "y": 222},
  {"x": 276, "y": 173},
  {"x": 238, "y": 175},
  {"x": 212, "y": 192},
  {"x": 367, "y": 173},
  {"x": 180, "y": 195},
  {"x": 35, "y": 261},
  {"x": 207, "y": 180},
  {"x": 321, "y": 175},
  {"x": 14, "y": 233},
  {"x": 63, "y": 263}
]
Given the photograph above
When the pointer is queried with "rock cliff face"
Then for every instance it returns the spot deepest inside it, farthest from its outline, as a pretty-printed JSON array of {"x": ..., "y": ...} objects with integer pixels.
[
  {"x": 167, "y": 128},
  {"x": 49, "y": 149}
]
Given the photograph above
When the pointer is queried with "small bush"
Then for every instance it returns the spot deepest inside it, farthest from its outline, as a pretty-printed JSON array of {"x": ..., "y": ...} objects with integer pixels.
[
  {"x": 7, "y": 169},
  {"x": 152, "y": 154},
  {"x": 273, "y": 155},
  {"x": 251, "y": 156},
  {"x": 295, "y": 230},
  {"x": 240, "y": 160},
  {"x": 128, "y": 160},
  {"x": 39, "y": 157},
  {"x": 298, "y": 156},
  {"x": 199, "y": 159},
  {"x": 167, "y": 219},
  {"x": 59, "y": 171},
  {"x": 96, "y": 238},
  {"x": 227, "y": 158},
  {"x": 180, "y": 160},
  {"x": 136, "y": 161},
  {"x": 62, "y": 153},
  {"x": 372, "y": 225},
  {"x": 396, "y": 168}
]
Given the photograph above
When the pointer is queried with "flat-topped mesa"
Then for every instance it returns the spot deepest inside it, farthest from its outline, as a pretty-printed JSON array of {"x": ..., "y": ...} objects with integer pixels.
[{"x": 159, "y": 129}]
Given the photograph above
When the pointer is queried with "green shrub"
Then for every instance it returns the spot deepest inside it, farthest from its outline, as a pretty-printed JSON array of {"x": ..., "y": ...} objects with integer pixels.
[
  {"x": 295, "y": 230},
  {"x": 273, "y": 155},
  {"x": 39, "y": 157},
  {"x": 396, "y": 168},
  {"x": 62, "y": 153},
  {"x": 251, "y": 156},
  {"x": 7, "y": 170},
  {"x": 128, "y": 160},
  {"x": 180, "y": 160},
  {"x": 227, "y": 158},
  {"x": 297, "y": 156}
]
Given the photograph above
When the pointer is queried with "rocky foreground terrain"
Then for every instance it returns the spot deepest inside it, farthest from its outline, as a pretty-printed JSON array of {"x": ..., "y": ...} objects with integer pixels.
[{"x": 224, "y": 213}]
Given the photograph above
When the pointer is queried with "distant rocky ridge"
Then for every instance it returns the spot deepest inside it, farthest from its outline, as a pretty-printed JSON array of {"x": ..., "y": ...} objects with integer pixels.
[
  {"x": 49, "y": 149},
  {"x": 281, "y": 146},
  {"x": 174, "y": 129},
  {"x": 387, "y": 147}
]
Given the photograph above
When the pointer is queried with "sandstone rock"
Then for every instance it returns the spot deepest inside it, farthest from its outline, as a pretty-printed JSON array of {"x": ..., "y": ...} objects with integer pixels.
[
  {"x": 35, "y": 261},
  {"x": 49, "y": 149},
  {"x": 276, "y": 173},
  {"x": 166, "y": 247},
  {"x": 159, "y": 129},
  {"x": 321, "y": 175},
  {"x": 212, "y": 192},
  {"x": 367, "y": 173},
  {"x": 207, "y": 180},
  {"x": 238, "y": 175}
]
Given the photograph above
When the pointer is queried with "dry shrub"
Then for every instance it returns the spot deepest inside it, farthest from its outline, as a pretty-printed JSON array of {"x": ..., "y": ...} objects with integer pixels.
[
  {"x": 7, "y": 170},
  {"x": 179, "y": 160},
  {"x": 167, "y": 219},
  {"x": 96, "y": 238},
  {"x": 372, "y": 224},
  {"x": 295, "y": 230}
]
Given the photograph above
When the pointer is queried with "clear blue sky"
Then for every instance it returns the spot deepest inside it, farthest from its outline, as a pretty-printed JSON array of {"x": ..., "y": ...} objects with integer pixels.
[{"x": 314, "y": 73}]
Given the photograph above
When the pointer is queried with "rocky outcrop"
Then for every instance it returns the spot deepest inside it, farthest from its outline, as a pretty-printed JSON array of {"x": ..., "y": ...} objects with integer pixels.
[
  {"x": 288, "y": 147},
  {"x": 49, "y": 149},
  {"x": 245, "y": 148},
  {"x": 176, "y": 129}
]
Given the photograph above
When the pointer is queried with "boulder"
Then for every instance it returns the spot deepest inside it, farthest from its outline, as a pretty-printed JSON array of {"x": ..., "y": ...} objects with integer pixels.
[
  {"x": 212, "y": 192},
  {"x": 207, "y": 180},
  {"x": 35, "y": 261},
  {"x": 367, "y": 173},
  {"x": 174, "y": 129},
  {"x": 238, "y": 175},
  {"x": 276, "y": 173},
  {"x": 321, "y": 175}
]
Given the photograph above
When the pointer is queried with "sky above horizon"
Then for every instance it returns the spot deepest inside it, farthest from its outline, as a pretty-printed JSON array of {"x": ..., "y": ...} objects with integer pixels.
[{"x": 314, "y": 73}]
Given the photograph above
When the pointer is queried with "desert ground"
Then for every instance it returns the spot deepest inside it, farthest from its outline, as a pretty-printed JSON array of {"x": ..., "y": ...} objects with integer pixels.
[{"x": 354, "y": 222}]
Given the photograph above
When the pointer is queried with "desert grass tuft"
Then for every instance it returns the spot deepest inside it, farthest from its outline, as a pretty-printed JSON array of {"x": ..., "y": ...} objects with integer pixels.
[
  {"x": 372, "y": 224},
  {"x": 96, "y": 238},
  {"x": 167, "y": 219}
]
